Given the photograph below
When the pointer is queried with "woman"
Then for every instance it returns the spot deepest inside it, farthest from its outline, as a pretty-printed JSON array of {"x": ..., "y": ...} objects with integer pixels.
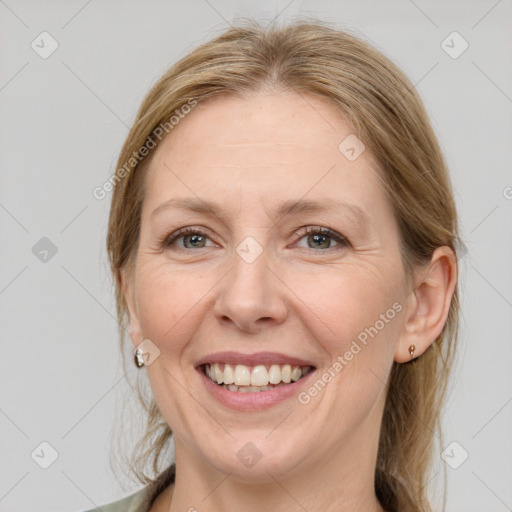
[{"x": 283, "y": 239}]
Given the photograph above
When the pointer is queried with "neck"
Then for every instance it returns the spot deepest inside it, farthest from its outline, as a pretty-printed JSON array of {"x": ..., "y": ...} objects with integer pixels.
[{"x": 341, "y": 481}]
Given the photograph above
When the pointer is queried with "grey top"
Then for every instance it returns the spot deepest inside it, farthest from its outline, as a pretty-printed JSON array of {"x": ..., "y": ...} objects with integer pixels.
[
  {"x": 141, "y": 500},
  {"x": 132, "y": 503}
]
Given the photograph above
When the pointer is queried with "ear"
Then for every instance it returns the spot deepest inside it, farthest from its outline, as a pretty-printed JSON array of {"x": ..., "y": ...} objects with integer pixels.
[
  {"x": 127, "y": 287},
  {"x": 429, "y": 304}
]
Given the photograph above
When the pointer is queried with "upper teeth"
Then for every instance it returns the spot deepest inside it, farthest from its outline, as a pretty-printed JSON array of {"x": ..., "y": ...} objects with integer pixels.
[{"x": 241, "y": 375}]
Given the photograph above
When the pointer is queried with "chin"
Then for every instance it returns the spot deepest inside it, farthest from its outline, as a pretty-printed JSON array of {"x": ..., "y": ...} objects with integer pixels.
[{"x": 253, "y": 458}]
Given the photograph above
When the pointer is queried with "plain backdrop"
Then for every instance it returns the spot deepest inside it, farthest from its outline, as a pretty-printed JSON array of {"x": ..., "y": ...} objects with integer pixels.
[{"x": 63, "y": 118}]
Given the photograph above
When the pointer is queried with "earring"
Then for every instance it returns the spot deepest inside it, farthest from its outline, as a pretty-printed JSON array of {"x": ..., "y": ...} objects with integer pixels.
[
  {"x": 137, "y": 356},
  {"x": 412, "y": 348}
]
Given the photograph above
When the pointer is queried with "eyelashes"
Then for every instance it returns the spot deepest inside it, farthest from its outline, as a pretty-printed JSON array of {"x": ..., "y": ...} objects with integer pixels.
[
  {"x": 190, "y": 233},
  {"x": 320, "y": 233},
  {"x": 195, "y": 237}
]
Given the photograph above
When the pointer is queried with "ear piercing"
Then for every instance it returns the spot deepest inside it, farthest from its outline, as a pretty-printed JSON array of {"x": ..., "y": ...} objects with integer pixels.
[
  {"x": 412, "y": 348},
  {"x": 137, "y": 356}
]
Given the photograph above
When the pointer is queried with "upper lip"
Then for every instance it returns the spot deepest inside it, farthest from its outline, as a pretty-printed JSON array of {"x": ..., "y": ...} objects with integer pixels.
[{"x": 258, "y": 358}]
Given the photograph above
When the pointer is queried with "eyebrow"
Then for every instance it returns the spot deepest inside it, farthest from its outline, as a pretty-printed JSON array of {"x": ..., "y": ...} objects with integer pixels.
[{"x": 286, "y": 208}]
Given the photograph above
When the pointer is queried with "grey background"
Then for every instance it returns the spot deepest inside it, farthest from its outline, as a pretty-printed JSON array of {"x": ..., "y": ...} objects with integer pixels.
[{"x": 62, "y": 122}]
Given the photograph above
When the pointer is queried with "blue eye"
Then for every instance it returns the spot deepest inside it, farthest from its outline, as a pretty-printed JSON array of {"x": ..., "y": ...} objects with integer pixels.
[
  {"x": 321, "y": 238},
  {"x": 194, "y": 237},
  {"x": 317, "y": 238}
]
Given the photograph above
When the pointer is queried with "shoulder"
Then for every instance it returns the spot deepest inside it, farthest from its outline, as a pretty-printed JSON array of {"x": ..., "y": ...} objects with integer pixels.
[
  {"x": 132, "y": 503},
  {"x": 142, "y": 500}
]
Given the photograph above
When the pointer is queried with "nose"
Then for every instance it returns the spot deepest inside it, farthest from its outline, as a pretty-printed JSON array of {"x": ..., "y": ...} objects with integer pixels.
[{"x": 252, "y": 295}]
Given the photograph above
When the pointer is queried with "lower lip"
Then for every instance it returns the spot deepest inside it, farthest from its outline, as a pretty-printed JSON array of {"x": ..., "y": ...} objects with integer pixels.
[{"x": 256, "y": 400}]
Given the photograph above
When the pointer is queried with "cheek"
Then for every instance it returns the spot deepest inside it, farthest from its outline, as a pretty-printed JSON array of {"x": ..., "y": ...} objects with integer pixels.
[
  {"x": 354, "y": 303},
  {"x": 166, "y": 303},
  {"x": 357, "y": 320}
]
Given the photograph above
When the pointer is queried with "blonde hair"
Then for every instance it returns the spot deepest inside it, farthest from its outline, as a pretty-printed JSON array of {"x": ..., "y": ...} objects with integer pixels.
[{"x": 387, "y": 114}]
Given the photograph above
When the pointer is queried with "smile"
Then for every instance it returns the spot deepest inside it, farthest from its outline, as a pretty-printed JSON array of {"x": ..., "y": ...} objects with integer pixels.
[{"x": 253, "y": 379}]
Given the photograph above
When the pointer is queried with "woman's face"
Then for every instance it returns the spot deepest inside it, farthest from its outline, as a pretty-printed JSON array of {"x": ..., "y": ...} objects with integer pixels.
[{"x": 259, "y": 283}]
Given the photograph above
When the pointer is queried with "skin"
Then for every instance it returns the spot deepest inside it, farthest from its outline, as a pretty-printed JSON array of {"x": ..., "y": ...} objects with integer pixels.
[{"x": 298, "y": 298}]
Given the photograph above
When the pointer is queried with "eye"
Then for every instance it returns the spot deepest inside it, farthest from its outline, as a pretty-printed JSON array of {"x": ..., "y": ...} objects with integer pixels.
[
  {"x": 321, "y": 238},
  {"x": 192, "y": 238},
  {"x": 318, "y": 238}
]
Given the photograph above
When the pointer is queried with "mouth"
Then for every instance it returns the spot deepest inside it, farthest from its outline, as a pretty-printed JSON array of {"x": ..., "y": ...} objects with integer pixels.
[
  {"x": 253, "y": 382},
  {"x": 241, "y": 378}
]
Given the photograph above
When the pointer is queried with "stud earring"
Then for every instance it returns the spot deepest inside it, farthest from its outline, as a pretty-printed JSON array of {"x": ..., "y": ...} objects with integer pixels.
[
  {"x": 137, "y": 357},
  {"x": 412, "y": 348}
]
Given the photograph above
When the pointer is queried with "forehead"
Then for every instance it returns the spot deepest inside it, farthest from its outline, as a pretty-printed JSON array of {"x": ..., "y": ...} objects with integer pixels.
[
  {"x": 264, "y": 124},
  {"x": 261, "y": 150}
]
